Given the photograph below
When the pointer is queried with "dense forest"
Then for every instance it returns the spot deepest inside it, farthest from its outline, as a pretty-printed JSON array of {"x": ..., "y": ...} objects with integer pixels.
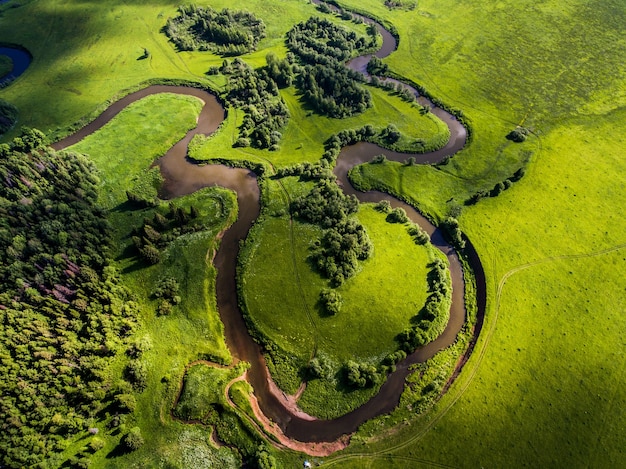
[
  {"x": 326, "y": 84},
  {"x": 63, "y": 313}
]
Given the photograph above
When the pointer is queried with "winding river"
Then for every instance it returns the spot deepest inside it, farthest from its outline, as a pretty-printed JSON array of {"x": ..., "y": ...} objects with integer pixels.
[
  {"x": 184, "y": 177},
  {"x": 21, "y": 60}
]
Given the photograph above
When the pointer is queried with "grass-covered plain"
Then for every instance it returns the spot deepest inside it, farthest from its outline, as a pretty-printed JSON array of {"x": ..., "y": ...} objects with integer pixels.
[
  {"x": 123, "y": 149},
  {"x": 305, "y": 134},
  {"x": 378, "y": 303},
  {"x": 544, "y": 384}
]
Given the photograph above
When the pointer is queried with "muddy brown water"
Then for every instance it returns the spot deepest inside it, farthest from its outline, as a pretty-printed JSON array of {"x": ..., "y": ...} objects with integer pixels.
[{"x": 184, "y": 177}]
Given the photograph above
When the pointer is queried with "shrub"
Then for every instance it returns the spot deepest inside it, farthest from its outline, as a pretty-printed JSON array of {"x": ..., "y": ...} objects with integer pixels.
[
  {"x": 397, "y": 215},
  {"x": 137, "y": 374},
  {"x": 331, "y": 301},
  {"x": 133, "y": 440},
  {"x": 518, "y": 134},
  {"x": 167, "y": 288},
  {"x": 8, "y": 116},
  {"x": 320, "y": 367},
  {"x": 96, "y": 444},
  {"x": 150, "y": 254},
  {"x": 361, "y": 375},
  {"x": 383, "y": 206},
  {"x": 450, "y": 226},
  {"x": 419, "y": 235},
  {"x": 126, "y": 402}
]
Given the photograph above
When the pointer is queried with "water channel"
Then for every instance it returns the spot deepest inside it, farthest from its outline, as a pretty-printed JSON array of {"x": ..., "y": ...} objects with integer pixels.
[{"x": 184, "y": 177}]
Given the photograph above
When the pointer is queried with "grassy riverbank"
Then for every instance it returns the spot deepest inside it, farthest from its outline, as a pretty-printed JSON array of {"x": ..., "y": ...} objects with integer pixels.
[
  {"x": 6, "y": 65},
  {"x": 378, "y": 303},
  {"x": 304, "y": 137}
]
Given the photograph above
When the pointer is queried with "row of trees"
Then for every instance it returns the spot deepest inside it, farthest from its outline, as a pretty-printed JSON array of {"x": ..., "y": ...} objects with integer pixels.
[
  {"x": 497, "y": 188},
  {"x": 334, "y": 91},
  {"x": 155, "y": 234},
  {"x": 318, "y": 41},
  {"x": 430, "y": 319},
  {"x": 227, "y": 32},
  {"x": 63, "y": 311}
]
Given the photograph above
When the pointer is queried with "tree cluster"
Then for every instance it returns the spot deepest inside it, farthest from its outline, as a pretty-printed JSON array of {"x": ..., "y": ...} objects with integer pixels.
[
  {"x": 326, "y": 84},
  {"x": 450, "y": 227},
  {"x": 334, "y": 91},
  {"x": 344, "y": 241},
  {"x": 63, "y": 312},
  {"x": 518, "y": 134},
  {"x": 227, "y": 32},
  {"x": 361, "y": 375},
  {"x": 156, "y": 233},
  {"x": 257, "y": 94},
  {"x": 400, "y": 5},
  {"x": 428, "y": 318},
  {"x": 377, "y": 67},
  {"x": 167, "y": 293},
  {"x": 319, "y": 41},
  {"x": 497, "y": 189},
  {"x": 320, "y": 367},
  {"x": 331, "y": 301}
]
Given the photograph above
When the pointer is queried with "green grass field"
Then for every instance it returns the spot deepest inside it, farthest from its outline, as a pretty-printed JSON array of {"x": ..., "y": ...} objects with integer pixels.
[
  {"x": 304, "y": 136},
  {"x": 378, "y": 303},
  {"x": 545, "y": 383}
]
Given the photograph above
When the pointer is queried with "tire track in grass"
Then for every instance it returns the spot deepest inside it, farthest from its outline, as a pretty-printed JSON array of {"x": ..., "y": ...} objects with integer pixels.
[
  {"x": 294, "y": 262},
  {"x": 479, "y": 356}
]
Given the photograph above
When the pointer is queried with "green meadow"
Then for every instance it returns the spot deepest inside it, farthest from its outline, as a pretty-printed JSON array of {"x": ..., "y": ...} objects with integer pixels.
[
  {"x": 378, "y": 303},
  {"x": 545, "y": 382}
]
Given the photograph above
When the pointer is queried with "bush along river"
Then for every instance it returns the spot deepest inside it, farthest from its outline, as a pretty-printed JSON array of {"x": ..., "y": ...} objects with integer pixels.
[{"x": 296, "y": 429}]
